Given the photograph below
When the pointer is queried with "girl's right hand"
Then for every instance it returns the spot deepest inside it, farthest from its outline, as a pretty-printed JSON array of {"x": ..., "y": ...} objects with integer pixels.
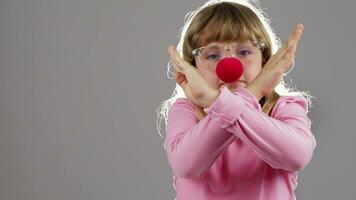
[
  {"x": 272, "y": 72},
  {"x": 195, "y": 87}
]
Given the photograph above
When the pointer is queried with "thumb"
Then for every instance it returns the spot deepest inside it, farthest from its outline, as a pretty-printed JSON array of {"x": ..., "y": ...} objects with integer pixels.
[{"x": 179, "y": 78}]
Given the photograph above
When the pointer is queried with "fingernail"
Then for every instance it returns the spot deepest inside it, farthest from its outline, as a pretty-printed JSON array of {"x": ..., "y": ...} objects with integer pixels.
[
  {"x": 172, "y": 47},
  {"x": 300, "y": 26}
]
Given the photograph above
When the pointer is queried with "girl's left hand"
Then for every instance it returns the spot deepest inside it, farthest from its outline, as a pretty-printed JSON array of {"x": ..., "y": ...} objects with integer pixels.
[
  {"x": 195, "y": 88},
  {"x": 272, "y": 73}
]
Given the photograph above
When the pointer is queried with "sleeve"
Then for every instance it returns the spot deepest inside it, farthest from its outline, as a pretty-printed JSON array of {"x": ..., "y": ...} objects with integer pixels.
[
  {"x": 284, "y": 141},
  {"x": 192, "y": 145}
]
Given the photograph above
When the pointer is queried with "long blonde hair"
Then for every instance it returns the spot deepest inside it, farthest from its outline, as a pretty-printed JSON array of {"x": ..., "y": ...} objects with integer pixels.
[{"x": 222, "y": 20}]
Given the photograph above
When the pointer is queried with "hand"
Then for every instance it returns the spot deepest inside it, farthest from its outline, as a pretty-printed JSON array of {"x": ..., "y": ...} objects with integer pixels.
[
  {"x": 272, "y": 73},
  {"x": 193, "y": 84}
]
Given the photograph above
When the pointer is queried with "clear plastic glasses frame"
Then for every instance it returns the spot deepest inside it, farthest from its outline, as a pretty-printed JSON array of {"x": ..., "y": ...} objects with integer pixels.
[{"x": 213, "y": 53}]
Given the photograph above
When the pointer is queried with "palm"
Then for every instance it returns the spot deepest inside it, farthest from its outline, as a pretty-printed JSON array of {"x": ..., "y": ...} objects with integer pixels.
[
  {"x": 272, "y": 73},
  {"x": 193, "y": 84}
]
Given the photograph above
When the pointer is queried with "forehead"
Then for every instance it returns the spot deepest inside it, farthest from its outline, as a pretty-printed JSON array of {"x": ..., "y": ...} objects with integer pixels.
[
  {"x": 216, "y": 43},
  {"x": 203, "y": 41}
]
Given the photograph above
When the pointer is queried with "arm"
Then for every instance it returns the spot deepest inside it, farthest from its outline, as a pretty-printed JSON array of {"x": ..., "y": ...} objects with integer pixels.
[
  {"x": 284, "y": 141},
  {"x": 192, "y": 145}
]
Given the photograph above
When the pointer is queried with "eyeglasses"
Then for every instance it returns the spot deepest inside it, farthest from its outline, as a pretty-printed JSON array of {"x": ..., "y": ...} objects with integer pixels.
[{"x": 213, "y": 53}]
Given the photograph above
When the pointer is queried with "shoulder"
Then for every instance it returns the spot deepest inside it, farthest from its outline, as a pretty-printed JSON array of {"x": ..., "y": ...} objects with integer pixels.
[
  {"x": 290, "y": 104},
  {"x": 283, "y": 100},
  {"x": 182, "y": 104},
  {"x": 181, "y": 112}
]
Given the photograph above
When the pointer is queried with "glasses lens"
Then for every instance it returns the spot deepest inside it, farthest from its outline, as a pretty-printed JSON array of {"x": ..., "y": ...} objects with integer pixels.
[
  {"x": 245, "y": 50},
  {"x": 213, "y": 53}
]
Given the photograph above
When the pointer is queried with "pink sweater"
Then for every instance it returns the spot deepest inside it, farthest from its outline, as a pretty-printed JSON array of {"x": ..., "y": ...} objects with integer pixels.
[{"x": 237, "y": 152}]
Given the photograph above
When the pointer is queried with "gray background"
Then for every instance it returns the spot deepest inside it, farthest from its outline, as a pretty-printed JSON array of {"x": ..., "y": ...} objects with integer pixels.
[{"x": 80, "y": 81}]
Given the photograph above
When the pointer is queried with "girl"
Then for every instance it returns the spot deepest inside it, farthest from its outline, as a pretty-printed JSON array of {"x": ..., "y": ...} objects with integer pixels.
[{"x": 242, "y": 140}]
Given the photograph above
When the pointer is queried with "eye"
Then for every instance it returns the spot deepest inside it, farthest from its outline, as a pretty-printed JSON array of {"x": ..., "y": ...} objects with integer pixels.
[
  {"x": 244, "y": 52},
  {"x": 213, "y": 56}
]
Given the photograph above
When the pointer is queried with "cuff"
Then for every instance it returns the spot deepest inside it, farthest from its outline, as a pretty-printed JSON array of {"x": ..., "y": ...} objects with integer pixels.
[
  {"x": 249, "y": 97},
  {"x": 227, "y": 108}
]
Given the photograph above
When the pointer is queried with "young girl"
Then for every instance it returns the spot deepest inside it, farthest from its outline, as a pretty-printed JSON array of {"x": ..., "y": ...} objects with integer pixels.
[{"x": 246, "y": 139}]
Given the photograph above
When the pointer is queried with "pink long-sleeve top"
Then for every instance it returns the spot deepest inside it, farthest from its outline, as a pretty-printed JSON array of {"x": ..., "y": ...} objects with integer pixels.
[{"x": 237, "y": 152}]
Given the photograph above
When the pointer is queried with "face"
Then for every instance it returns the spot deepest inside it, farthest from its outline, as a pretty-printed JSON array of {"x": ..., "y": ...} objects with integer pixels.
[{"x": 248, "y": 53}]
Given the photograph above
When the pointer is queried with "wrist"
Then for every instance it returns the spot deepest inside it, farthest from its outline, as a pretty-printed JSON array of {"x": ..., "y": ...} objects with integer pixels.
[
  {"x": 255, "y": 92},
  {"x": 212, "y": 98}
]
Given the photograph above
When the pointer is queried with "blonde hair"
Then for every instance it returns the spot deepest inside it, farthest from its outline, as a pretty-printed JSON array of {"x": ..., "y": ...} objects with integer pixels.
[{"x": 237, "y": 20}]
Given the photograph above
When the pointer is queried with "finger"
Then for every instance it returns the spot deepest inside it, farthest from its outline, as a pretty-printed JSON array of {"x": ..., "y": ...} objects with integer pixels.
[
  {"x": 174, "y": 56},
  {"x": 179, "y": 77},
  {"x": 291, "y": 45},
  {"x": 290, "y": 52},
  {"x": 291, "y": 41},
  {"x": 176, "y": 75},
  {"x": 176, "y": 71},
  {"x": 287, "y": 61},
  {"x": 296, "y": 35},
  {"x": 181, "y": 80},
  {"x": 183, "y": 83},
  {"x": 178, "y": 60}
]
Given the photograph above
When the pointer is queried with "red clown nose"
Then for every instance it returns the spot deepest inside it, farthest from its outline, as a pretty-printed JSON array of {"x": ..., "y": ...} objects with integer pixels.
[{"x": 229, "y": 69}]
